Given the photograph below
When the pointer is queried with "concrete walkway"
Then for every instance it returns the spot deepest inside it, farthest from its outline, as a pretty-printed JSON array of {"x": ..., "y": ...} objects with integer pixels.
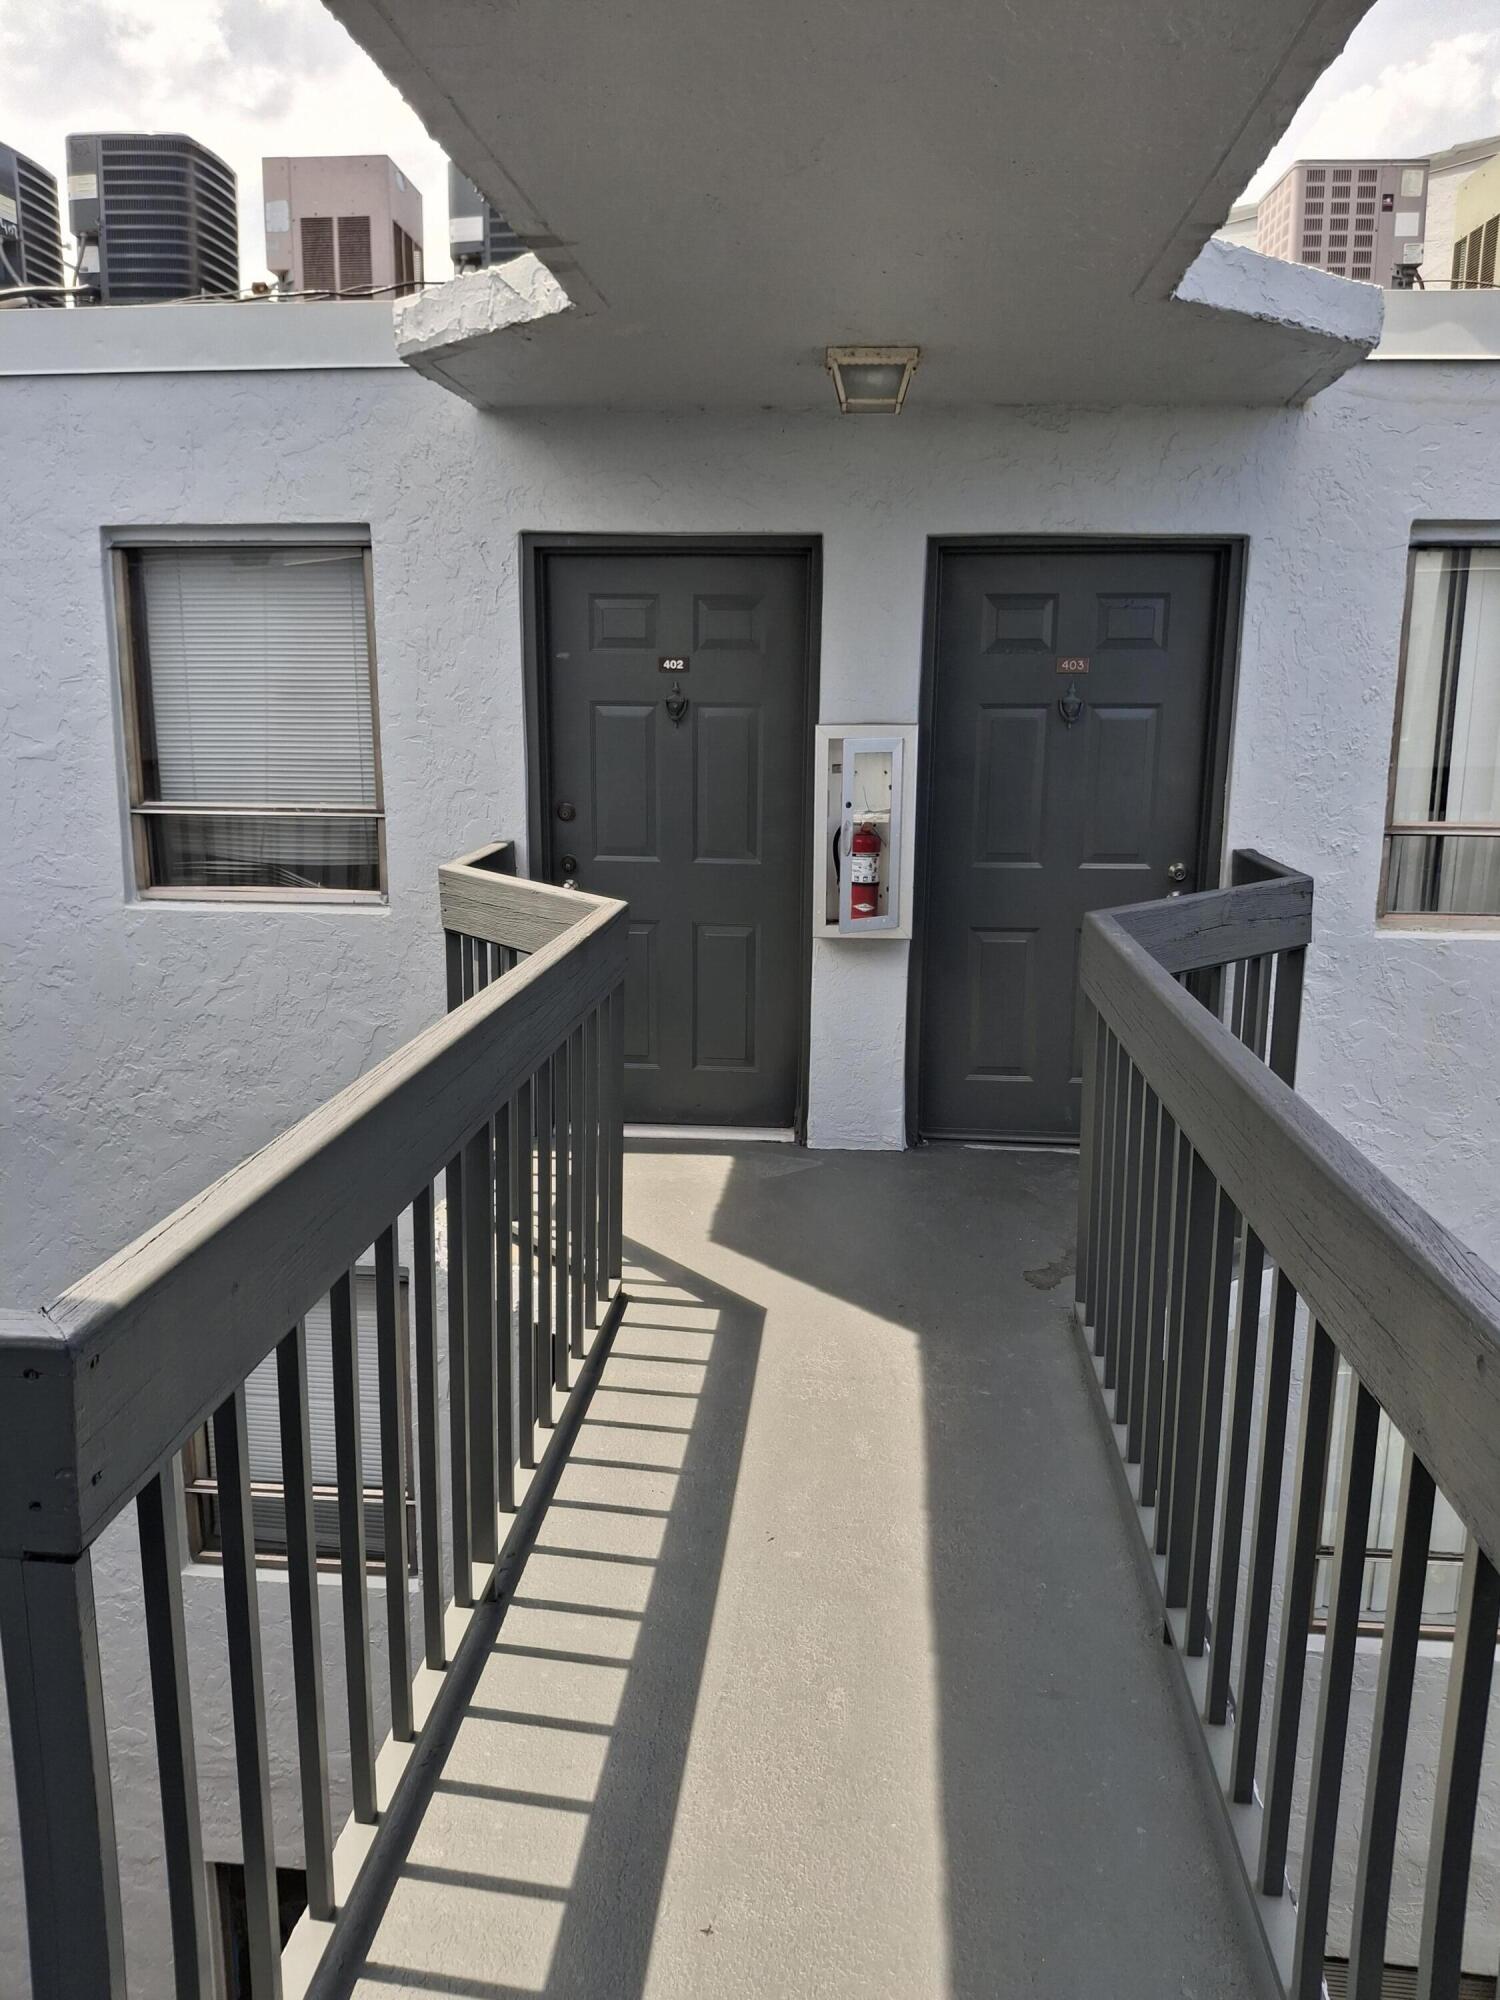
[{"x": 831, "y": 1673}]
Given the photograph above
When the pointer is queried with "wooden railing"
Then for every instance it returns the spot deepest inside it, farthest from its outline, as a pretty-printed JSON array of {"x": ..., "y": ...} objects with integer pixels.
[
  {"x": 1203, "y": 1173},
  {"x": 512, "y": 1103}
]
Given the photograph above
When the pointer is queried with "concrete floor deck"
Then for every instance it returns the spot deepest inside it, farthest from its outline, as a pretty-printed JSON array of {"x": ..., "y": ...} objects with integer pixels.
[{"x": 831, "y": 1672}]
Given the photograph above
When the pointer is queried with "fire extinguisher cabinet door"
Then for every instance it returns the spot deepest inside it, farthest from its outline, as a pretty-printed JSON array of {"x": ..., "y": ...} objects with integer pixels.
[{"x": 872, "y": 799}]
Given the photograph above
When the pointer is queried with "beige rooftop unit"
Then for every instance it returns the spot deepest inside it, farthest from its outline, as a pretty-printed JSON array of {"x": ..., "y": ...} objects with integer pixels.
[
  {"x": 1356, "y": 218},
  {"x": 346, "y": 224}
]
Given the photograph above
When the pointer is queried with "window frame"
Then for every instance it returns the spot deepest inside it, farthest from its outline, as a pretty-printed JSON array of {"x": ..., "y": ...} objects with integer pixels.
[
  {"x": 1464, "y": 535},
  {"x": 134, "y": 684},
  {"x": 200, "y": 1486}
]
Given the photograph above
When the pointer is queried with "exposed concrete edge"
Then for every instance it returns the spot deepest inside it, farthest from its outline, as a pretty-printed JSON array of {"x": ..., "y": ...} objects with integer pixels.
[
  {"x": 1339, "y": 320},
  {"x": 1320, "y": 37},
  {"x": 434, "y": 326},
  {"x": 1269, "y": 1922}
]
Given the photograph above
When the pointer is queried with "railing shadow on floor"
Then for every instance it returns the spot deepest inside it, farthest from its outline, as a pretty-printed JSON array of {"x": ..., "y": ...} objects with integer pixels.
[
  {"x": 1076, "y": 1850},
  {"x": 549, "y": 1821}
]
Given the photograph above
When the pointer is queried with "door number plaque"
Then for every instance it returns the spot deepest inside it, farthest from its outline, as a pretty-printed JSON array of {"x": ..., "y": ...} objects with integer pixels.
[
  {"x": 1074, "y": 666},
  {"x": 673, "y": 663}
]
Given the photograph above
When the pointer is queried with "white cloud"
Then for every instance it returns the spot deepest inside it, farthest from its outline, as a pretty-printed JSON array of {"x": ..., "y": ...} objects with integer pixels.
[
  {"x": 248, "y": 78},
  {"x": 1444, "y": 93}
]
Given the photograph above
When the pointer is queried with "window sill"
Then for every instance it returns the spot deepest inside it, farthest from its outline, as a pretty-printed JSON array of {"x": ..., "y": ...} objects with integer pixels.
[
  {"x": 283, "y": 899},
  {"x": 1432, "y": 923}
]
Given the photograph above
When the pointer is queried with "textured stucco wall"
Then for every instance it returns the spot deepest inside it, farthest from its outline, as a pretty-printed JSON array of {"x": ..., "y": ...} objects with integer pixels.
[{"x": 147, "y": 1047}]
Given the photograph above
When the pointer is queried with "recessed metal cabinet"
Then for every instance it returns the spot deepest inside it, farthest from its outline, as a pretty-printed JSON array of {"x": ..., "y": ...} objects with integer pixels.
[{"x": 862, "y": 886}]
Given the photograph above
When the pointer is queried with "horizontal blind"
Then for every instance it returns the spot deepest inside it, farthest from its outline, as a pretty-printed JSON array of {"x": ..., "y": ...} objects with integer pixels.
[{"x": 259, "y": 670}]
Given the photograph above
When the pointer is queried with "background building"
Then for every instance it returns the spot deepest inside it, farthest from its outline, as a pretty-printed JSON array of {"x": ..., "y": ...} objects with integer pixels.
[
  {"x": 343, "y": 223},
  {"x": 154, "y": 215},
  {"x": 1356, "y": 218},
  {"x": 30, "y": 234},
  {"x": 1448, "y": 172},
  {"x": 478, "y": 234},
  {"x": 1476, "y": 227}
]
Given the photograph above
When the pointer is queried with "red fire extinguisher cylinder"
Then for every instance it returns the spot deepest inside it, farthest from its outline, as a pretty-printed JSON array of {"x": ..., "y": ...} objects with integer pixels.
[{"x": 864, "y": 872}]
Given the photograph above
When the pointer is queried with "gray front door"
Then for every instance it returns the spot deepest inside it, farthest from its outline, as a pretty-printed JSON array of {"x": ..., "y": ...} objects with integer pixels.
[
  {"x": 676, "y": 688},
  {"x": 1068, "y": 758}
]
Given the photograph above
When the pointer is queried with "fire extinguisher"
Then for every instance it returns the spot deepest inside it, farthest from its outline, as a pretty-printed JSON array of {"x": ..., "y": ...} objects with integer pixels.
[{"x": 864, "y": 872}]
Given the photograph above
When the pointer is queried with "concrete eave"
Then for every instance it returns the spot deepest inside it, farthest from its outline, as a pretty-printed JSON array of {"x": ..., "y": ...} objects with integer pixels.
[{"x": 1247, "y": 329}]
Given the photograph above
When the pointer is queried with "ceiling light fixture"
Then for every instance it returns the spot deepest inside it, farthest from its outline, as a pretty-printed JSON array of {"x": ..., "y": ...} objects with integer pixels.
[{"x": 870, "y": 379}]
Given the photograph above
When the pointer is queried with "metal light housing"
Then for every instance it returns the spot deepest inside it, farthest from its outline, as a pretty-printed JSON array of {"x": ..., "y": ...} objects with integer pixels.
[{"x": 871, "y": 380}]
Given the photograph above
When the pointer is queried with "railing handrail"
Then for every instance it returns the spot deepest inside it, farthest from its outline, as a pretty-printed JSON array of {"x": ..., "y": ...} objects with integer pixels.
[
  {"x": 1414, "y": 1310},
  {"x": 106, "y": 1383}
]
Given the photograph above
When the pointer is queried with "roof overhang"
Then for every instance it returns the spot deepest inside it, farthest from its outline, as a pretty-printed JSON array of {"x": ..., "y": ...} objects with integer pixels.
[{"x": 721, "y": 193}]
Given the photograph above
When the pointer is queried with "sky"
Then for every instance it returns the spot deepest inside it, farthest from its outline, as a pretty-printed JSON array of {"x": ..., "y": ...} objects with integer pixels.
[{"x": 256, "y": 77}]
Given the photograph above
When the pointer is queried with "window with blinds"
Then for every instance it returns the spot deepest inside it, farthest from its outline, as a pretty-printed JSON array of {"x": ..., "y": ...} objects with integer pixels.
[
  {"x": 1442, "y": 855},
  {"x": 251, "y": 703},
  {"x": 263, "y": 1429}
]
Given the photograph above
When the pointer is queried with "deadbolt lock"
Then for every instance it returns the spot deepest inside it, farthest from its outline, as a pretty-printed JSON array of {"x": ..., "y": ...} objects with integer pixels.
[
  {"x": 566, "y": 809},
  {"x": 1177, "y": 871},
  {"x": 568, "y": 865}
]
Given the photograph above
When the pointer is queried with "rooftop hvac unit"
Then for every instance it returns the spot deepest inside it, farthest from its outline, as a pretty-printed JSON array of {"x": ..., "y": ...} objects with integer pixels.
[
  {"x": 30, "y": 236},
  {"x": 155, "y": 218}
]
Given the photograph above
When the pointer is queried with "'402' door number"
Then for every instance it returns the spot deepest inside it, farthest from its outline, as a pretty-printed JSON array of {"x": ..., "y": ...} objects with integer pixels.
[{"x": 673, "y": 663}]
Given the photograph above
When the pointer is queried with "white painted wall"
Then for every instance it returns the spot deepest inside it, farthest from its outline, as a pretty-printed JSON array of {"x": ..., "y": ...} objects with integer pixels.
[
  {"x": 147, "y": 1047},
  {"x": 185, "y": 1035}
]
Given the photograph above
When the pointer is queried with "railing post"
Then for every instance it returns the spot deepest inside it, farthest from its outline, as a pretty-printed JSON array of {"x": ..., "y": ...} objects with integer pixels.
[
  {"x": 617, "y": 1131},
  {"x": 66, "y": 1812},
  {"x": 1088, "y": 1034}
]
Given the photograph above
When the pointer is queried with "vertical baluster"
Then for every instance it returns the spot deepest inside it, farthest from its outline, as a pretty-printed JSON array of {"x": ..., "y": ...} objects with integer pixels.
[
  {"x": 542, "y": 1369},
  {"x": 1236, "y": 1474},
  {"x": 1460, "y": 1762},
  {"x": 590, "y": 1173},
  {"x": 1318, "y": 1376},
  {"x": 348, "y": 1450},
  {"x": 1388, "y": 1731},
  {"x": 453, "y": 950},
  {"x": 429, "y": 1523},
  {"x": 1194, "y": 1377},
  {"x": 159, "y": 1519},
  {"x": 1286, "y": 1015},
  {"x": 1163, "y": 1246},
  {"x": 1089, "y": 1036},
  {"x": 503, "y": 1423},
  {"x": 458, "y": 1360},
  {"x": 1131, "y": 1410},
  {"x": 481, "y": 1155},
  {"x": 247, "y": 1698},
  {"x": 606, "y": 1140},
  {"x": 1275, "y": 1405},
  {"x": 1211, "y": 1424},
  {"x": 306, "y": 1621},
  {"x": 1098, "y": 1174},
  {"x": 1331, "y": 1735},
  {"x": 459, "y": 1489},
  {"x": 391, "y": 1377},
  {"x": 602, "y": 1150},
  {"x": 578, "y": 1180},
  {"x": 65, "y": 1811},
  {"x": 1177, "y": 1266},
  {"x": 561, "y": 1269},
  {"x": 1128, "y": 1158},
  {"x": 1113, "y": 1073},
  {"x": 616, "y": 1262},
  {"x": 523, "y": 1169}
]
